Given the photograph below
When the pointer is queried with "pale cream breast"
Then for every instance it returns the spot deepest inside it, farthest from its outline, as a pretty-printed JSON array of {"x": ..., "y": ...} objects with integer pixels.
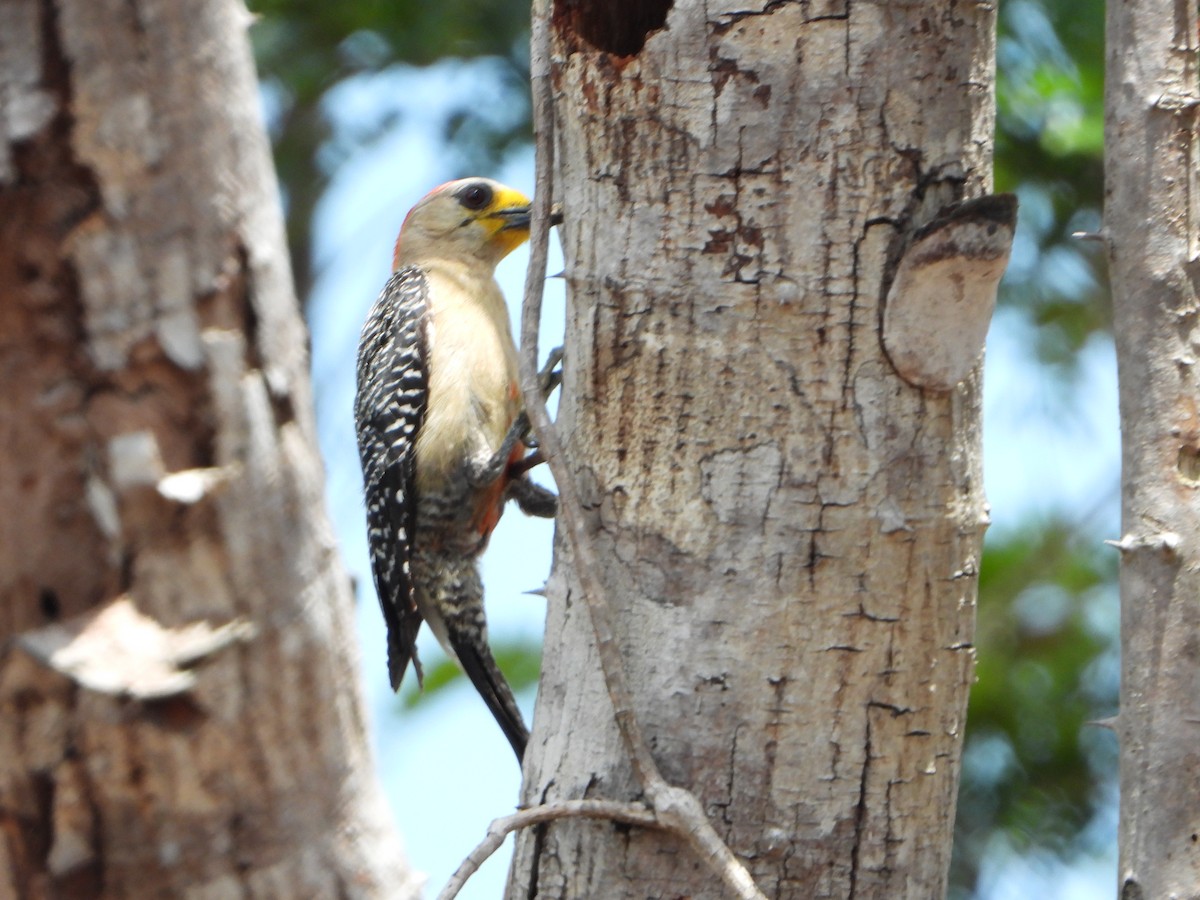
[{"x": 472, "y": 370}]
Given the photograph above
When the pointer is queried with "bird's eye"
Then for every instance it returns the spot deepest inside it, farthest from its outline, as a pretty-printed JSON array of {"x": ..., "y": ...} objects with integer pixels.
[{"x": 475, "y": 196}]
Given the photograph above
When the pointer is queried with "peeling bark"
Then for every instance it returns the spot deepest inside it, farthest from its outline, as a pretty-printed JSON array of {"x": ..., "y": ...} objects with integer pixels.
[
  {"x": 158, "y": 442},
  {"x": 792, "y": 529}
]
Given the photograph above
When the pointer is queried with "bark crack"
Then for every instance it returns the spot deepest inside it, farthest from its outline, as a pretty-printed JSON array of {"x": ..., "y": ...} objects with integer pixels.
[
  {"x": 539, "y": 843},
  {"x": 860, "y": 815}
]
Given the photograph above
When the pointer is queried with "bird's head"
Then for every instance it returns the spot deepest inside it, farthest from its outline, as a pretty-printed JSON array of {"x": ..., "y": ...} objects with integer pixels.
[{"x": 472, "y": 219}]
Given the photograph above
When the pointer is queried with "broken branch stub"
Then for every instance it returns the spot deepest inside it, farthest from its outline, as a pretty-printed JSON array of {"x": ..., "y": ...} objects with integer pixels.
[{"x": 940, "y": 303}]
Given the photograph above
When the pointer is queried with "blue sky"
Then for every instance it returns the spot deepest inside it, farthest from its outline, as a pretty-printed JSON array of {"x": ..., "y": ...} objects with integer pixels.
[{"x": 445, "y": 766}]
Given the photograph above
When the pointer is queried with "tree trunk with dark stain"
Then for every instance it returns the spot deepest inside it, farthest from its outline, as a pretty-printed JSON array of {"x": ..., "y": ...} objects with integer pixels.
[{"x": 792, "y": 531}]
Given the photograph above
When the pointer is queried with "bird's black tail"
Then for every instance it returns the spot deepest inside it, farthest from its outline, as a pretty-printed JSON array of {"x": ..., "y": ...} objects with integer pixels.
[
  {"x": 450, "y": 596},
  {"x": 479, "y": 664}
]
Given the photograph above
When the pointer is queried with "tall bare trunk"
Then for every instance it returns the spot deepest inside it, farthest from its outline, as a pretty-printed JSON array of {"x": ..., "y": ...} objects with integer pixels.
[
  {"x": 159, "y": 468},
  {"x": 791, "y": 530},
  {"x": 1152, "y": 221}
]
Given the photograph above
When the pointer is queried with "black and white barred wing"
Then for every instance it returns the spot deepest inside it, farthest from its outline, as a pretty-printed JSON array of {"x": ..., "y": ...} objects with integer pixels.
[{"x": 388, "y": 411}]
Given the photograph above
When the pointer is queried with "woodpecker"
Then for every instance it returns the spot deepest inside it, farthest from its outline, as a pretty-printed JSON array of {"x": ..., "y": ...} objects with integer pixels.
[{"x": 442, "y": 431}]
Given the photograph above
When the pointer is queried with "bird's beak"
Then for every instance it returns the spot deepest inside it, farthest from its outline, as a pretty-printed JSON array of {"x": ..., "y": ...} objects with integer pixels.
[
  {"x": 514, "y": 217},
  {"x": 519, "y": 217}
]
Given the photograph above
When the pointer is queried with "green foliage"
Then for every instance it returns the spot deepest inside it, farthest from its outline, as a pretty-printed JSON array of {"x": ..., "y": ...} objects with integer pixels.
[
  {"x": 1035, "y": 764},
  {"x": 1049, "y": 149},
  {"x": 1036, "y": 774},
  {"x": 313, "y": 45},
  {"x": 306, "y": 49}
]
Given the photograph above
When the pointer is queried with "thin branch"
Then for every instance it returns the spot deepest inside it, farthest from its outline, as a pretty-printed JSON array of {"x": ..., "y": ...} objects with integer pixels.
[
  {"x": 675, "y": 809},
  {"x": 678, "y": 810},
  {"x": 628, "y": 813},
  {"x": 586, "y": 567}
]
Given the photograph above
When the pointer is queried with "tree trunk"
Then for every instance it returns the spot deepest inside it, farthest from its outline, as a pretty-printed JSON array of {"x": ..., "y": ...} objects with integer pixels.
[
  {"x": 1152, "y": 221},
  {"x": 792, "y": 530},
  {"x": 159, "y": 469}
]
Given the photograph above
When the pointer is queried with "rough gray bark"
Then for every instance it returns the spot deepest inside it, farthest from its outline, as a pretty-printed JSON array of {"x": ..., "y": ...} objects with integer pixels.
[
  {"x": 159, "y": 455},
  {"x": 791, "y": 529},
  {"x": 1152, "y": 223}
]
